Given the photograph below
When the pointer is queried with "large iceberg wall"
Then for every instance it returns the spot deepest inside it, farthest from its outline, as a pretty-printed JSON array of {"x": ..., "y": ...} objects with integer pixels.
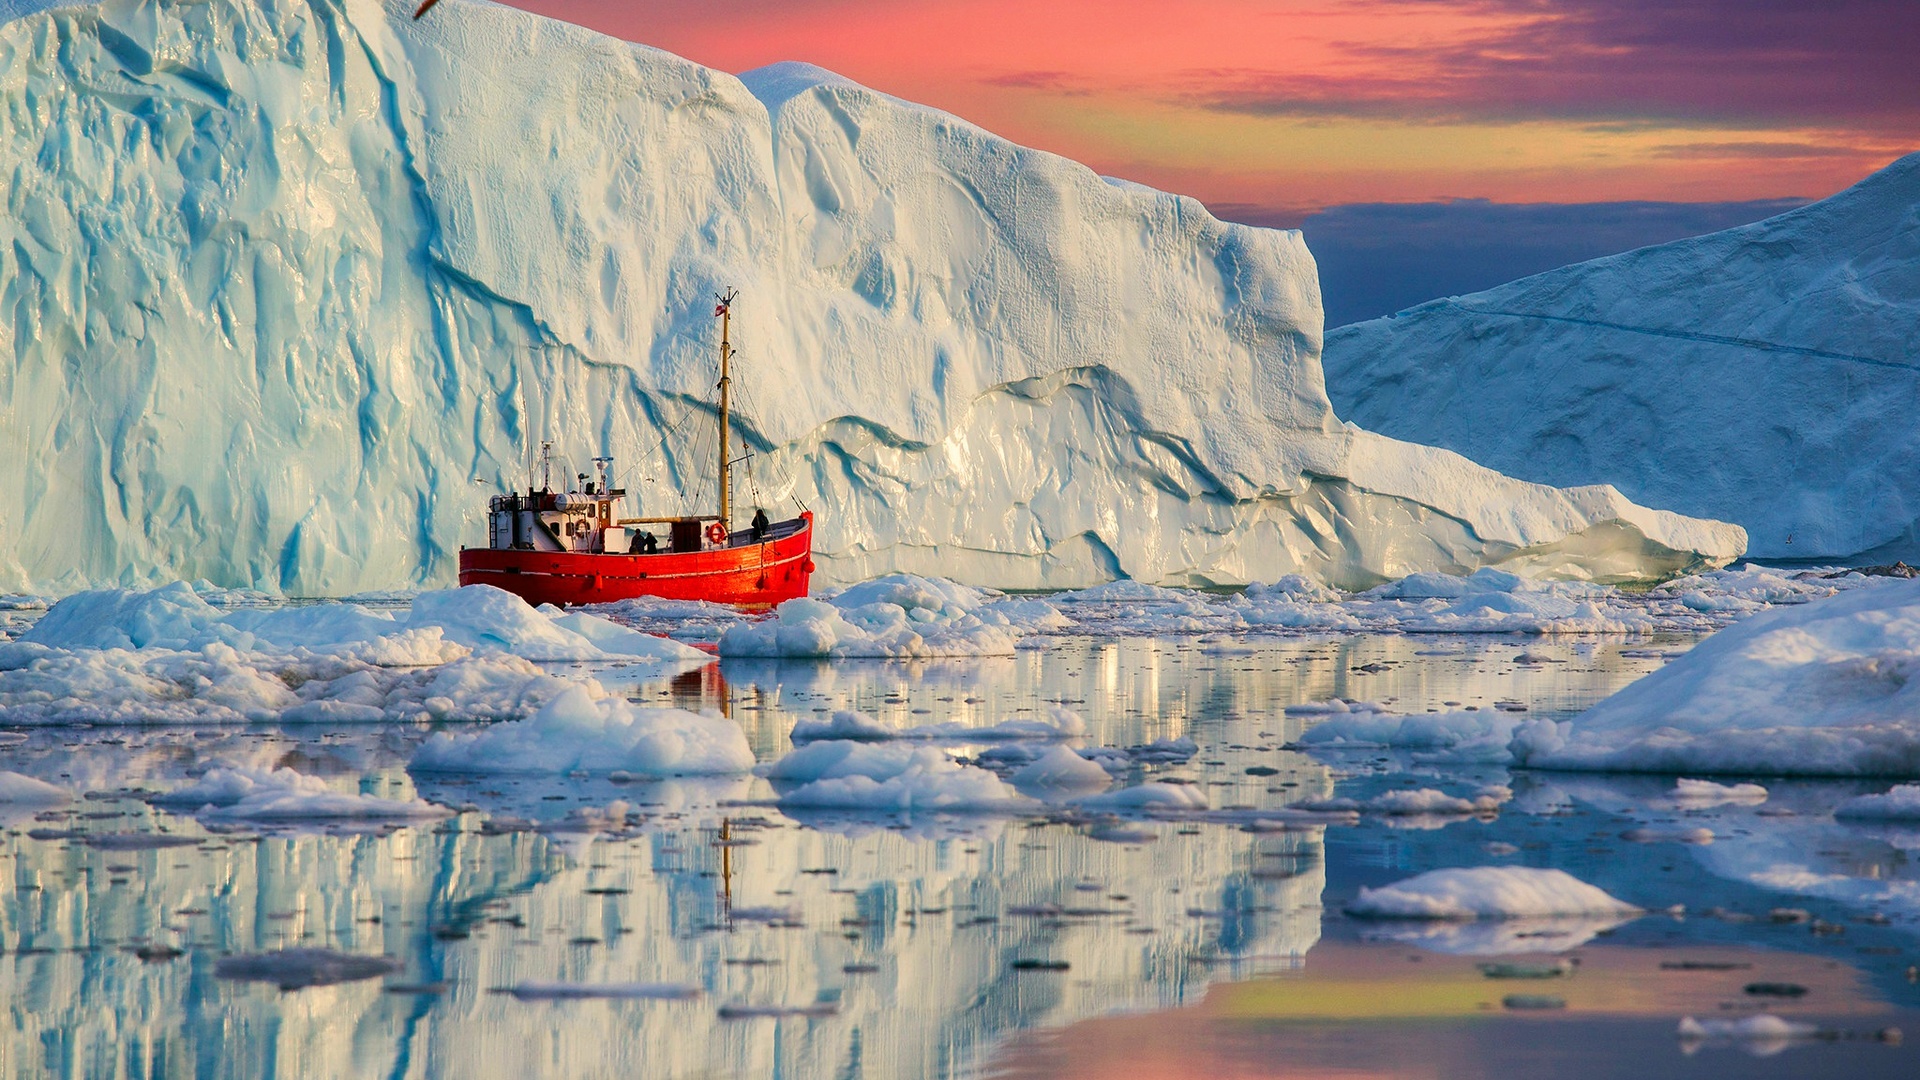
[
  {"x": 290, "y": 287},
  {"x": 1765, "y": 375}
]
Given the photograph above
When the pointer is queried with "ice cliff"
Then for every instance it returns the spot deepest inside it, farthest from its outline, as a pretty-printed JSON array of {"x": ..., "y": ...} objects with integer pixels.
[
  {"x": 290, "y": 287},
  {"x": 1764, "y": 375}
]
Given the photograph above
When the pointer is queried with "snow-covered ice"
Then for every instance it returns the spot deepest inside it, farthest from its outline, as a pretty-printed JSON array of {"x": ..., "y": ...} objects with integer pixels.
[
  {"x": 478, "y": 617},
  {"x": 1487, "y": 892},
  {"x": 1060, "y": 768},
  {"x": 283, "y": 795},
  {"x": 1901, "y": 803},
  {"x": 888, "y": 778},
  {"x": 577, "y": 731},
  {"x": 1824, "y": 688},
  {"x": 1796, "y": 337},
  {"x": 961, "y": 353}
]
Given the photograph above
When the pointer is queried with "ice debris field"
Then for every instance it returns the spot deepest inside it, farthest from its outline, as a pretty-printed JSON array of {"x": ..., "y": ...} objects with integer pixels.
[{"x": 875, "y": 808}]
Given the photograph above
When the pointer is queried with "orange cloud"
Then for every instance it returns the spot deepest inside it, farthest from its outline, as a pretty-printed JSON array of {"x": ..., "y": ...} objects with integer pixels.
[{"x": 1306, "y": 103}]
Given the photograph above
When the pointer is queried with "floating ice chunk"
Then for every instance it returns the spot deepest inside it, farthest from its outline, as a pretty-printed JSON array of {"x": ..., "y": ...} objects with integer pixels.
[
  {"x": 1334, "y": 707},
  {"x": 22, "y": 790},
  {"x": 164, "y": 618},
  {"x": 297, "y": 969},
  {"x": 916, "y": 778},
  {"x": 1901, "y": 803},
  {"x": 242, "y": 794},
  {"x": 574, "y": 991},
  {"x": 1699, "y": 794},
  {"x": 815, "y": 628},
  {"x": 838, "y": 758},
  {"x": 1487, "y": 892},
  {"x": 1827, "y": 688},
  {"x": 576, "y": 732},
  {"x": 1413, "y": 802},
  {"x": 1480, "y": 736},
  {"x": 1761, "y": 1035},
  {"x": 937, "y": 598},
  {"x": 219, "y": 684},
  {"x": 441, "y": 626},
  {"x": 1124, "y": 591},
  {"x": 1294, "y": 587},
  {"x": 483, "y": 617},
  {"x": 1061, "y": 769},
  {"x": 1149, "y": 797},
  {"x": 845, "y": 724}
]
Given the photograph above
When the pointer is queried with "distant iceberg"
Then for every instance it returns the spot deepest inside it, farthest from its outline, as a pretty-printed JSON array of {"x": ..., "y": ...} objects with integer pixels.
[
  {"x": 293, "y": 286},
  {"x": 1763, "y": 375}
]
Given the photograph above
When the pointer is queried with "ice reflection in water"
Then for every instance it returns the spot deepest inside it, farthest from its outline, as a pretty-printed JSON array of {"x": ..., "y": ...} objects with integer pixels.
[{"x": 900, "y": 947}]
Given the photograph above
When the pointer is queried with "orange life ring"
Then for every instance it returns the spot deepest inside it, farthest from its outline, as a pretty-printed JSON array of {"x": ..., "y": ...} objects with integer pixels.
[{"x": 717, "y": 533}]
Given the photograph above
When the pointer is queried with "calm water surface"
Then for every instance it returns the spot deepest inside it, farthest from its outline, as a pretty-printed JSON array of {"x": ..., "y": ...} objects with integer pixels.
[{"x": 875, "y": 946}]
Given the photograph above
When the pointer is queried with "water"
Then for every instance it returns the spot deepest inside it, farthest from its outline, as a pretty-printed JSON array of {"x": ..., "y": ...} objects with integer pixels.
[{"x": 862, "y": 945}]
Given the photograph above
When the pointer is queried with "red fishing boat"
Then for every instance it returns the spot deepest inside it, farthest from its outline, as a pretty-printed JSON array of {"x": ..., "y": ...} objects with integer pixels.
[{"x": 570, "y": 547}]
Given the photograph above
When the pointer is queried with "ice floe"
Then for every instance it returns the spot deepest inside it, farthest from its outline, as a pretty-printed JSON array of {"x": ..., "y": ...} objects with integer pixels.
[
  {"x": 1487, "y": 892},
  {"x": 284, "y": 795},
  {"x": 478, "y": 617},
  {"x": 578, "y": 732},
  {"x": 1825, "y": 688},
  {"x": 1901, "y": 803},
  {"x": 889, "y": 778}
]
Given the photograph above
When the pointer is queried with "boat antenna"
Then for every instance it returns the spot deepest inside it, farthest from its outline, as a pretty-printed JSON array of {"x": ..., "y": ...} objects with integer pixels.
[
  {"x": 546, "y": 466},
  {"x": 723, "y": 311}
]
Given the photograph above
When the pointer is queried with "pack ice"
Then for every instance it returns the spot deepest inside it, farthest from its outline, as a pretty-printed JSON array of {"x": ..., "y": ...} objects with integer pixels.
[
  {"x": 1762, "y": 375},
  {"x": 292, "y": 285}
]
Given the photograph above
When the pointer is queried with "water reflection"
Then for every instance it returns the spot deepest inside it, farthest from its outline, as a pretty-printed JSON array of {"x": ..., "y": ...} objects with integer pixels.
[{"x": 821, "y": 944}]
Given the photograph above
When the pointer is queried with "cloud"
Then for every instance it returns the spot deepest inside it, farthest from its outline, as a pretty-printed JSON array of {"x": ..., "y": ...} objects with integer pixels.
[{"x": 1675, "y": 59}]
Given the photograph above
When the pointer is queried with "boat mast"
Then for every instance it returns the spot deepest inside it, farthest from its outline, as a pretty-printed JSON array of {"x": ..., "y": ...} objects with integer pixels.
[{"x": 726, "y": 354}]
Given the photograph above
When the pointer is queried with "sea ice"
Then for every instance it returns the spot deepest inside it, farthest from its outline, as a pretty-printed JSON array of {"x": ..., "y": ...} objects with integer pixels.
[
  {"x": 576, "y": 731},
  {"x": 478, "y": 617},
  {"x": 1487, "y": 892},
  {"x": 1825, "y": 688},
  {"x": 1151, "y": 797},
  {"x": 1901, "y": 803},
  {"x": 925, "y": 780},
  {"x": 1061, "y": 769},
  {"x": 283, "y": 795}
]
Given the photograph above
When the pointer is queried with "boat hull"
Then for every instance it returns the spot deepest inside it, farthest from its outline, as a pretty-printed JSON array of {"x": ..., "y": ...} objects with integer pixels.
[{"x": 748, "y": 575}]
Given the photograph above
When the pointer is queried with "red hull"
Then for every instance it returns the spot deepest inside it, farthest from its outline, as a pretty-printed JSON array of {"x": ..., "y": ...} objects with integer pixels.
[{"x": 744, "y": 574}]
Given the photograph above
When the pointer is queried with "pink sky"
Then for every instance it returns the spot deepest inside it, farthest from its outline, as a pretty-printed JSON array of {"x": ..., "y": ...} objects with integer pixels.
[{"x": 1290, "y": 105}]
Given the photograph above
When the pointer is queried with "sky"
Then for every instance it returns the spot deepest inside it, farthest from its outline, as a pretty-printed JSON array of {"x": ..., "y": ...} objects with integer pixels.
[{"x": 1275, "y": 111}]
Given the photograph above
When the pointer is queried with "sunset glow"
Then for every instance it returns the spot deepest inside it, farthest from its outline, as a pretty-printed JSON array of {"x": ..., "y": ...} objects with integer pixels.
[{"x": 1291, "y": 105}]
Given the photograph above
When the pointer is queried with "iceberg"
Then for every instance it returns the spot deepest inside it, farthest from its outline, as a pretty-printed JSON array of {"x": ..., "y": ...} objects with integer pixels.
[
  {"x": 294, "y": 283},
  {"x": 1825, "y": 688},
  {"x": 1760, "y": 375}
]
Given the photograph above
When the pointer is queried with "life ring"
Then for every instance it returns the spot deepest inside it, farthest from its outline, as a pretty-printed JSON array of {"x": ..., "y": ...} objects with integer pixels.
[{"x": 717, "y": 533}]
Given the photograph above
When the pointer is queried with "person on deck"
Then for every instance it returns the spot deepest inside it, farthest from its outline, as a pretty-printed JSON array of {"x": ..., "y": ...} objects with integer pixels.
[
  {"x": 760, "y": 524},
  {"x": 643, "y": 544}
]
